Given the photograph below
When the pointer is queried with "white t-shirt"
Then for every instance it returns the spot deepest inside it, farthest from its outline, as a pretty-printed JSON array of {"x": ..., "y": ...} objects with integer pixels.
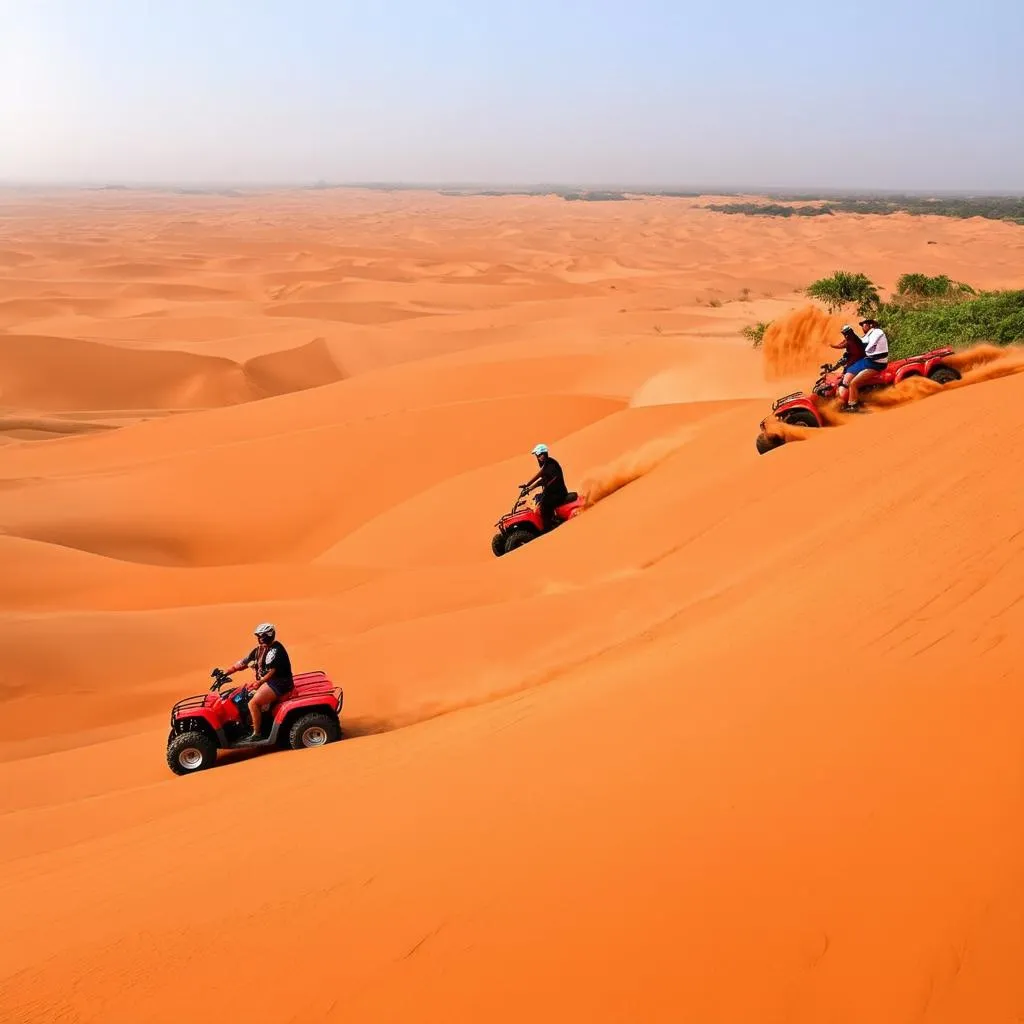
[{"x": 876, "y": 345}]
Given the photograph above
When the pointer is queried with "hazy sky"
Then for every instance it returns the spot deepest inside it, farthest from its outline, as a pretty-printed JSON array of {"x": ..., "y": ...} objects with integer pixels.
[{"x": 868, "y": 93}]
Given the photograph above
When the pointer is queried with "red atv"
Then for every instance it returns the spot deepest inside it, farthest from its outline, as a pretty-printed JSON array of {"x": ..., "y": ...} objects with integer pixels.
[
  {"x": 307, "y": 716},
  {"x": 524, "y": 524},
  {"x": 802, "y": 410}
]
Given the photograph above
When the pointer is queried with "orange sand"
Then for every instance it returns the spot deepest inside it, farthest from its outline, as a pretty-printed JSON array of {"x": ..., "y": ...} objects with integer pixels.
[{"x": 741, "y": 743}]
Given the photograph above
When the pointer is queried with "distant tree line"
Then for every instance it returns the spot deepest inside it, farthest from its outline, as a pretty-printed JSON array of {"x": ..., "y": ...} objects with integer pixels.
[
  {"x": 771, "y": 210},
  {"x": 1010, "y": 208}
]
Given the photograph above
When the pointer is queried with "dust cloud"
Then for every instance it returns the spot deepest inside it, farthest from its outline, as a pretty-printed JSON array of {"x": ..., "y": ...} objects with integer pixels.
[
  {"x": 797, "y": 343},
  {"x": 613, "y": 476}
]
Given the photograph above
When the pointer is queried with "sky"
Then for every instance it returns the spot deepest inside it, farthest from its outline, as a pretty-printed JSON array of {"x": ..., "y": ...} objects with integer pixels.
[{"x": 884, "y": 94}]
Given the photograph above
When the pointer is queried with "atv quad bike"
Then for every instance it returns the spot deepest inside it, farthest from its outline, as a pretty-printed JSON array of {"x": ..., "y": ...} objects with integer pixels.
[
  {"x": 803, "y": 410},
  {"x": 307, "y": 716},
  {"x": 524, "y": 523}
]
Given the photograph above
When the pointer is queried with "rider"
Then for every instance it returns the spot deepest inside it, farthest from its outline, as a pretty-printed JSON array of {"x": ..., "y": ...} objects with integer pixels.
[
  {"x": 876, "y": 359},
  {"x": 273, "y": 674},
  {"x": 550, "y": 478},
  {"x": 854, "y": 345}
]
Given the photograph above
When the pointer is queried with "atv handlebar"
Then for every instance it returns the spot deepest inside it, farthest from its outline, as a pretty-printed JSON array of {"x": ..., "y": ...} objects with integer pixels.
[
  {"x": 826, "y": 369},
  {"x": 524, "y": 492},
  {"x": 220, "y": 678}
]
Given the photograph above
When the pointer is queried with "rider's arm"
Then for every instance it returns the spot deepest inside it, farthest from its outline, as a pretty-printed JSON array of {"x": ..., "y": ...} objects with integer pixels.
[
  {"x": 266, "y": 677},
  {"x": 533, "y": 481},
  {"x": 238, "y": 665},
  {"x": 873, "y": 342}
]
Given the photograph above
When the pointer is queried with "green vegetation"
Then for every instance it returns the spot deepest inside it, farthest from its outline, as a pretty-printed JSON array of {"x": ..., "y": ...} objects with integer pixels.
[
  {"x": 779, "y": 204},
  {"x": 770, "y": 210},
  {"x": 924, "y": 312},
  {"x": 1010, "y": 208},
  {"x": 594, "y": 197},
  {"x": 755, "y": 332},
  {"x": 922, "y": 325},
  {"x": 843, "y": 288},
  {"x": 923, "y": 287}
]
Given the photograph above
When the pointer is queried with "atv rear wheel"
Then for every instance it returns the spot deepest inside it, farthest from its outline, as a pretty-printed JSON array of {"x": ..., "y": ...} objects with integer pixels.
[
  {"x": 517, "y": 538},
  {"x": 944, "y": 374},
  {"x": 801, "y": 418},
  {"x": 316, "y": 729},
  {"x": 765, "y": 443},
  {"x": 498, "y": 544},
  {"x": 190, "y": 752}
]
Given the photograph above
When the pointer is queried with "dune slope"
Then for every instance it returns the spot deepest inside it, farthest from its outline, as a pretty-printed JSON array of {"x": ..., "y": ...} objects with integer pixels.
[
  {"x": 842, "y": 830},
  {"x": 739, "y": 743}
]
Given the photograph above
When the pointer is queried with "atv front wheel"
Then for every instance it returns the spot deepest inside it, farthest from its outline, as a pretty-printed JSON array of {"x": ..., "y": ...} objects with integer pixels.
[
  {"x": 313, "y": 730},
  {"x": 498, "y": 544},
  {"x": 765, "y": 443},
  {"x": 944, "y": 374},
  {"x": 190, "y": 752},
  {"x": 801, "y": 418},
  {"x": 517, "y": 538}
]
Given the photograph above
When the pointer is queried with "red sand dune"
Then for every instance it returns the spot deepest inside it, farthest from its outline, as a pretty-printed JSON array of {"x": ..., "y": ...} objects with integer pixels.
[
  {"x": 68, "y": 374},
  {"x": 740, "y": 743}
]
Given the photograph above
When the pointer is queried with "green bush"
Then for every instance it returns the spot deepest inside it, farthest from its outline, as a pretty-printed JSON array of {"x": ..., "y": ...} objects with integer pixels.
[
  {"x": 928, "y": 312},
  {"x": 923, "y": 287},
  {"x": 755, "y": 332},
  {"x": 842, "y": 288},
  {"x": 989, "y": 316},
  {"x": 1011, "y": 328}
]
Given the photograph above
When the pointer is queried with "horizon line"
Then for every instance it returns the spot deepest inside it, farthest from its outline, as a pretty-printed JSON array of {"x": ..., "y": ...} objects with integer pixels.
[{"x": 322, "y": 184}]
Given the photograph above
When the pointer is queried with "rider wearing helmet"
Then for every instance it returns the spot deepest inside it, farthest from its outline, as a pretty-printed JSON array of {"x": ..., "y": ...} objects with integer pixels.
[
  {"x": 853, "y": 343},
  {"x": 550, "y": 478},
  {"x": 273, "y": 669}
]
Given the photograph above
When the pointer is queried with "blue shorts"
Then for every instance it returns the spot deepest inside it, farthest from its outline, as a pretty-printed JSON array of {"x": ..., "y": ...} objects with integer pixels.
[{"x": 865, "y": 364}]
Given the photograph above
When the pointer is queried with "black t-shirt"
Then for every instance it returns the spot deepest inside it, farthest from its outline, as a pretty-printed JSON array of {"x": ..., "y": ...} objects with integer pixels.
[
  {"x": 552, "y": 479},
  {"x": 275, "y": 657}
]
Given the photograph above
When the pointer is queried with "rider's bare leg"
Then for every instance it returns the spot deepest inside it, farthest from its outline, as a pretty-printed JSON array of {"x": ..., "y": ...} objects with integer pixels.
[
  {"x": 844, "y": 387},
  {"x": 862, "y": 378},
  {"x": 258, "y": 703}
]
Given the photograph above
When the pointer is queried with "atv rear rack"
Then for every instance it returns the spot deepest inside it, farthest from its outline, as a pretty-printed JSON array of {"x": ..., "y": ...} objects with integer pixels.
[
  {"x": 312, "y": 690},
  {"x": 786, "y": 398}
]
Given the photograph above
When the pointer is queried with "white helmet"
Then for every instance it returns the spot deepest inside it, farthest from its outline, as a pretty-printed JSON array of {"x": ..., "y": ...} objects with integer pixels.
[
  {"x": 265, "y": 631},
  {"x": 541, "y": 449}
]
